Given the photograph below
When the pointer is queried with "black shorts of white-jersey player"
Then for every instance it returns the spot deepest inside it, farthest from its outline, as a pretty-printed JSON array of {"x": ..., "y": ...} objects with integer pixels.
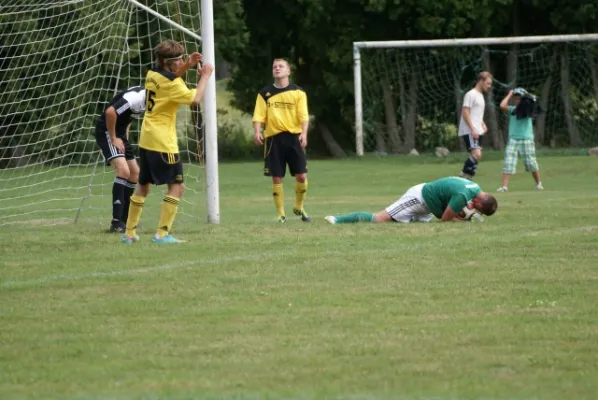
[
  {"x": 112, "y": 137},
  {"x": 471, "y": 125}
]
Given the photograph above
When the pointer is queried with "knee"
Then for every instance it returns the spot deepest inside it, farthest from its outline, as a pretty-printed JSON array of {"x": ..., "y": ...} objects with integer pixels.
[
  {"x": 477, "y": 155},
  {"x": 276, "y": 180},
  {"x": 133, "y": 175},
  {"x": 142, "y": 190},
  {"x": 122, "y": 171},
  {"x": 301, "y": 178},
  {"x": 179, "y": 190}
]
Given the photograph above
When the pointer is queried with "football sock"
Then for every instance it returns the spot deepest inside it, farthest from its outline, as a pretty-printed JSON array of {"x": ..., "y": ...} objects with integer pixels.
[
  {"x": 355, "y": 217},
  {"x": 278, "y": 195},
  {"x": 300, "y": 192},
  {"x": 135, "y": 209},
  {"x": 470, "y": 166},
  {"x": 118, "y": 198},
  {"x": 129, "y": 190},
  {"x": 170, "y": 205}
]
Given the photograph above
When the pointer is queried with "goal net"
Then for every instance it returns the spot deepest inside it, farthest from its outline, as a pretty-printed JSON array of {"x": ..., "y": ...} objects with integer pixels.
[
  {"x": 409, "y": 93},
  {"x": 60, "y": 63}
]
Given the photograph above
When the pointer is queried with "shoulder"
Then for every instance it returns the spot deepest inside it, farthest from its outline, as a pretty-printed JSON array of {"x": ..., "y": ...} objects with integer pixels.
[
  {"x": 161, "y": 74},
  {"x": 293, "y": 86},
  {"x": 267, "y": 91}
]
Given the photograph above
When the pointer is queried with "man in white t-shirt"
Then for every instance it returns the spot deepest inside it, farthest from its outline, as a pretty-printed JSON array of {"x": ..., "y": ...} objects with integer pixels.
[{"x": 471, "y": 125}]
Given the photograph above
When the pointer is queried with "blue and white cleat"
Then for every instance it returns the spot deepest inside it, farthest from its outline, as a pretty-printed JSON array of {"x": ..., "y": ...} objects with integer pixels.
[
  {"x": 126, "y": 239},
  {"x": 167, "y": 239}
]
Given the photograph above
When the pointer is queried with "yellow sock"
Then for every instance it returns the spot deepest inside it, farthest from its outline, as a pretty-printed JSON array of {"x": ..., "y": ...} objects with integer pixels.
[
  {"x": 170, "y": 205},
  {"x": 278, "y": 195},
  {"x": 300, "y": 192},
  {"x": 135, "y": 209}
]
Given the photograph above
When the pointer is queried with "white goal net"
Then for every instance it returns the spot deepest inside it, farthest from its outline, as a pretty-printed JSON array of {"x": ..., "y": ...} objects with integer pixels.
[
  {"x": 409, "y": 93},
  {"x": 60, "y": 64}
]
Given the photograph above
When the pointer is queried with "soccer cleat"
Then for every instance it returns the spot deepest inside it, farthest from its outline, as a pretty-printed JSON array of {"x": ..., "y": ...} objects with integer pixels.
[
  {"x": 301, "y": 213},
  {"x": 118, "y": 227},
  {"x": 539, "y": 186},
  {"x": 465, "y": 176},
  {"x": 502, "y": 189},
  {"x": 330, "y": 219},
  {"x": 168, "y": 238},
  {"x": 126, "y": 239},
  {"x": 282, "y": 219}
]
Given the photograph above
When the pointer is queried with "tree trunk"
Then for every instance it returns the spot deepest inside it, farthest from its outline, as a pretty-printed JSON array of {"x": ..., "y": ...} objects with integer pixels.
[
  {"x": 574, "y": 136},
  {"x": 490, "y": 116},
  {"x": 543, "y": 101},
  {"x": 333, "y": 147},
  {"x": 390, "y": 112},
  {"x": 409, "y": 112}
]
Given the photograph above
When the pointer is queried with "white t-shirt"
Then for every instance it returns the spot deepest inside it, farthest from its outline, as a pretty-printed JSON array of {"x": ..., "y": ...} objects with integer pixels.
[{"x": 473, "y": 100}]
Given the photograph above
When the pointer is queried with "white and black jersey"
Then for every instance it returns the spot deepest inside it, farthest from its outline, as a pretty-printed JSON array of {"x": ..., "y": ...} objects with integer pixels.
[{"x": 128, "y": 103}]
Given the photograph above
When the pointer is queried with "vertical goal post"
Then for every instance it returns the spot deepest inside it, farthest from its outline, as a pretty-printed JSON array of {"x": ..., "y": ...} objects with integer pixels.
[{"x": 438, "y": 43}]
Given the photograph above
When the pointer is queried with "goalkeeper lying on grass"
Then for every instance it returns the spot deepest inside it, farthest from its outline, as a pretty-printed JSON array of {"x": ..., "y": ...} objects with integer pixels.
[{"x": 450, "y": 199}]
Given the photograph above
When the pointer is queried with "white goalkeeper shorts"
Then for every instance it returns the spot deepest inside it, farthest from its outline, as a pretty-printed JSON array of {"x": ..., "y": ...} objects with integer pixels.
[{"x": 410, "y": 207}]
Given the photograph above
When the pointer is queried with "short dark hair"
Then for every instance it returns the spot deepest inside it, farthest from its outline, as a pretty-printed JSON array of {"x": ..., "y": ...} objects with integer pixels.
[
  {"x": 489, "y": 204},
  {"x": 168, "y": 49}
]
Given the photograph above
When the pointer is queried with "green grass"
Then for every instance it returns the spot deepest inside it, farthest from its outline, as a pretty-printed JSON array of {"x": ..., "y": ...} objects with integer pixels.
[{"x": 248, "y": 309}]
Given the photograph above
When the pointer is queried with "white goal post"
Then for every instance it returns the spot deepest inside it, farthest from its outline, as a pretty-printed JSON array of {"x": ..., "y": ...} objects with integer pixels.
[
  {"x": 61, "y": 61},
  {"x": 431, "y": 55}
]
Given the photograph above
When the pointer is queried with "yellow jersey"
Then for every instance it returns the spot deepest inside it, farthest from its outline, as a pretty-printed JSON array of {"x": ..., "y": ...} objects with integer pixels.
[
  {"x": 164, "y": 92},
  {"x": 281, "y": 110}
]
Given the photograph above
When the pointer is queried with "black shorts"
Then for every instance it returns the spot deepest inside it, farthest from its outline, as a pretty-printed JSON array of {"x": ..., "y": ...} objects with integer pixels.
[
  {"x": 109, "y": 151},
  {"x": 159, "y": 168},
  {"x": 472, "y": 144},
  {"x": 282, "y": 149}
]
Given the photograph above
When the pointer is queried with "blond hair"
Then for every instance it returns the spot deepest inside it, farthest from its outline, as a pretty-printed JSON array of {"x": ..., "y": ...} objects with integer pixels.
[
  {"x": 167, "y": 49},
  {"x": 482, "y": 76}
]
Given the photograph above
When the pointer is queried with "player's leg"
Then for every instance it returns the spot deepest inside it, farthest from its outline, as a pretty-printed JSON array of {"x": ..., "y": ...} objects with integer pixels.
[
  {"x": 475, "y": 154},
  {"x": 170, "y": 173},
  {"x": 361, "y": 216},
  {"x": 275, "y": 167},
  {"x": 297, "y": 161},
  {"x": 509, "y": 164},
  {"x": 137, "y": 200},
  {"x": 131, "y": 181},
  {"x": 410, "y": 207},
  {"x": 528, "y": 150}
]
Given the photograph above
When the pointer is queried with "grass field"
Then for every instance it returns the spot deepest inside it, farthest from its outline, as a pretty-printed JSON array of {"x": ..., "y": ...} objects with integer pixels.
[{"x": 248, "y": 309}]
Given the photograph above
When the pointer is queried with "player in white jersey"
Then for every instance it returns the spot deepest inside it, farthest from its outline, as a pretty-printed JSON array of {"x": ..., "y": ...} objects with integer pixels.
[{"x": 471, "y": 126}]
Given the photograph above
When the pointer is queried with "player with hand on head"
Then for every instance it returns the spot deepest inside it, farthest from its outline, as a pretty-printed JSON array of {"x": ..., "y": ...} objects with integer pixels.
[
  {"x": 471, "y": 125},
  {"x": 159, "y": 158},
  {"x": 521, "y": 135},
  {"x": 449, "y": 199},
  {"x": 112, "y": 137},
  {"x": 282, "y": 108}
]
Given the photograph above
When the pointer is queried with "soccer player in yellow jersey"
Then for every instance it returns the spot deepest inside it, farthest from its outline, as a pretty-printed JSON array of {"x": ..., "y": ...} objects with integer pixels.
[
  {"x": 159, "y": 159},
  {"x": 282, "y": 108}
]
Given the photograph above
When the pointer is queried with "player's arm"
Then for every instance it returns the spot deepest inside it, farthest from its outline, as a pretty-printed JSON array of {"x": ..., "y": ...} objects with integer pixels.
[
  {"x": 504, "y": 104},
  {"x": 259, "y": 117},
  {"x": 466, "y": 113},
  {"x": 450, "y": 215},
  {"x": 205, "y": 73},
  {"x": 303, "y": 118},
  {"x": 111, "y": 117},
  {"x": 454, "y": 207},
  {"x": 193, "y": 60}
]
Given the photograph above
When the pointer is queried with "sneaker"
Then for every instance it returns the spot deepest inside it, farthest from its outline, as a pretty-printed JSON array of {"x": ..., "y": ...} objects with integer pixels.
[
  {"x": 330, "y": 219},
  {"x": 466, "y": 176},
  {"x": 539, "y": 186},
  {"x": 117, "y": 227},
  {"x": 168, "y": 238},
  {"x": 126, "y": 239},
  {"x": 301, "y": 213},
  {"x": 502, "y": 189},
  {"x": 282, "y": 219}
]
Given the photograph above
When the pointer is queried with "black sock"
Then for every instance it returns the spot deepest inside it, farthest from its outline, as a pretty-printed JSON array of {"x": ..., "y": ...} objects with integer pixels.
[
  {"x": 118, "y": 198},
  {"x": 129, "y": 190},
  {"x": 470, "y": 166}
]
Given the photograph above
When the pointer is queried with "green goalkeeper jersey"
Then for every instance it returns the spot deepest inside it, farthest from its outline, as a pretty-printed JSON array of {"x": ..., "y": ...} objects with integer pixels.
[{"x": 452, "y": 191}]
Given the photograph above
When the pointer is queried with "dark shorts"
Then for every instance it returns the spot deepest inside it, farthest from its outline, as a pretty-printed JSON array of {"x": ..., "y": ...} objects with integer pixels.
[
  {"x": 159, "y": 168},
  {"x": 472, "y": 144},
  {"x": 109, "y": 151},
  {"x": 282, "y": 149}
]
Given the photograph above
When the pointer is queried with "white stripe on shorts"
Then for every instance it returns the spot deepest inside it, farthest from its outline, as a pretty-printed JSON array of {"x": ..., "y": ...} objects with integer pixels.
[
  {"x": 410, "y": 207},
  {"x": 113, "y": 150}
]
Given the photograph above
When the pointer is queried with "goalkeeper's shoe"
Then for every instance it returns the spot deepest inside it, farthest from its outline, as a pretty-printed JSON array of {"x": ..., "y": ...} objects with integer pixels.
[
  {"x": 117, "y": 226},
  {"x": 281, "y": 219},
  {"x": 126, "y": 239},
  {"x": 331, "y": 219},
  {"x": 168, "y": 238},
  {"x": 301, "y": 213},
  {"x": 502, "y": 189},
  {"x": 539, "y": 186}
]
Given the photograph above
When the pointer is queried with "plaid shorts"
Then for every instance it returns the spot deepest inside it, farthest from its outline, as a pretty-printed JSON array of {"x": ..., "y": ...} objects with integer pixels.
[{"x": 527, "y": 149}]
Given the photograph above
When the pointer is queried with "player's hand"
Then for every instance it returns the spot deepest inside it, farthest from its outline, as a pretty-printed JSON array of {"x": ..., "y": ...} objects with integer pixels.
[
  {"x": 475, "y": 135},
  {"x": 303, "y": 140},
  {"x": 510, "y": 93},
  {"x": 258, "y": 138},
  {"x": 118, "y": 143},
  {"x": 206, "y": 70},
  {"x": 194, "y": 58}
]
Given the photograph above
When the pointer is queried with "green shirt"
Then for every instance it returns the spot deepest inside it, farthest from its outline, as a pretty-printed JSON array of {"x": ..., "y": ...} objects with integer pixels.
[
  {"x": 520, "y": 128},
  {"x": 452, "y": 191}
]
